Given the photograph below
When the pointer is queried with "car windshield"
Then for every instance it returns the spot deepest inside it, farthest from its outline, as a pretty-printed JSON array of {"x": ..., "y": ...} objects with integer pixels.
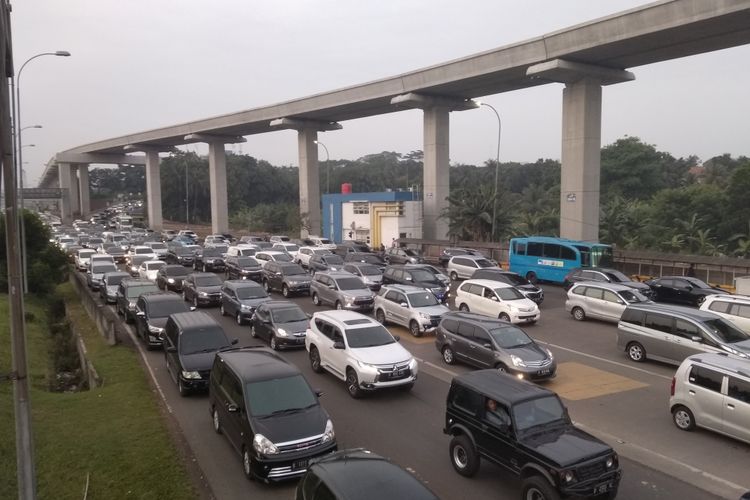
[
  {"x": 292, "y": 270},
  {"x": 350, "y": 284},
  {"x": 632, "y": 297},
  {"x": 321, "y": 251},
  {"x": 512, "y": 279},
  {"x": 332, "y": 259},
  {"x": 698, "y": 283},
  {"x": 510, "y": 337},
  {"x": 288, "y": 315},
  {"x": 158, "y": 246},
  {"x": 484, "y": 263},
  {"x": 153, "y": 266},
  {"x": 116, "y": 279},
  {"x": 135, "y": 291},
  {"x": 142, "y": 250},
  {"x": 369, "y": 258},
  {"x": 422, "y": 299},
  {"x": 247, "y": 262},
  {"x": 422, "y": 275},
  {"x": 508, "y": 293},
  {"x": 103, "y": 268},
  {"x": 412, "y": 253},
  {"x": 211, "y": 280},
  {"x": 369, "y": 271},
  {"x": 370, "y": 336},
  {"x": 725, "y": 331},
  {"x": 212, "y": 252},
  {"x": 538, "y": 411},
  {"x": 203, "y": 340},
  {"x": 251, "y": 292},
  {"x": 279, "y": 396},
  {"x": 616, "y": 276},
  {"x": 177, "y": 271},
  {"x": 165, "y": 308}
]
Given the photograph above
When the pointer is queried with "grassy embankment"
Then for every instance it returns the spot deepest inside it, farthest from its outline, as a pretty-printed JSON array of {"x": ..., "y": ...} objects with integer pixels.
[{"x": 115, "y": 434}]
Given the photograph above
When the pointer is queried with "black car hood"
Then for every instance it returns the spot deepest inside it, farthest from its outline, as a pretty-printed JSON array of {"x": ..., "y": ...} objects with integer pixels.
[
  {"x": 530, "y": 288},
  {"x": 209, "y": 289},
  {"x": 294, "y": 326},
  {"x": 529, "y": 352},
  {"x": 291, "y": 427},
  {"x": 565, "y": 445},
  {"x": 158, "y": 322},
  {"x": 199, "y": 361},
  {"x": 636, "y": 285}
]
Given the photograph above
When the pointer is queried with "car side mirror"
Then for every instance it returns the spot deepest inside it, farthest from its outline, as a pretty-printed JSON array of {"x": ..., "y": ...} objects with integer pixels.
[
  {"x": 696, "y": 338},
  {"x": 318, "y": 392},
  {"x": 487, "y": 345},
  {"x": 408, "y": 278},
  {"x": 192, "y": 308},
  {"x": 171, "y": 349},
  {"x": 140, "y": 314},
  {"x": 403, "y": 304},
  {"x": 494, "y": 298},
  {"x": 232, "y": 408},
  {"x": 397, "y": 338},
  {"x": 234, "y": 341},
  {"x": 338, "y": 345}
]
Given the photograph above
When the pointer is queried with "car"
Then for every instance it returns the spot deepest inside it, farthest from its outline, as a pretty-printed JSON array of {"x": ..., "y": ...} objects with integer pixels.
[
  {"x": 150, "y": 268},
  {"x": 221, "y": 248},
  {"x": 371, "y": 275},
  {"x": 735, "y": 308},
  {"x": 278, "y": 239},
  {"x": 240, "y": 298},
  {"x": 326, "y": 262},
  {"x": 242, "y": 250},
  {"x": 320, "y": 242},
  {"x": 151, "y": 313},
  {"x": 186, "y": 233},
  {"x": 272, "y": 256},
  {"x": 359, "y": 474},
  {"x": 397, "y": 255},
  {"x": 209, "y": 259},
  {"x": 252, "y": 239},
  {"x": 600, "y": 300},
  {"x": 127, "y": 294},
  {"x": 203, "y": 289},
  {"x": 82, "y": 258},
  {"x": 368, "y": 258},
  {"x": 180, "y": 255},
  {"x": 134, "y": 265},
  {"x": 170, "y": 277},
  {"x": 109, "y": 284},
  {"x": 463, "y": 266},
  {"x": 140, "y": 250},
  {"x": 287, "y": 247},
  {"x": 447, "y": 253},
  {"x": 268, "y": 412},
  {"x": 117, "y": 253},
  {"x": 243, "y": 268},
  {"x": 214, "y": 239},
  {"x": 304, "y": 253},
  {"x": 287, "y": 277},
  {"x": 412, "y": 307},
  {"x": 96, "y": 271},
  {"x": 359, "y": 351},
  {"x": 682, "y": 290},
  {"x": 281, "y": 323},
  {"x": 168, "y": 234},
  {"x": 530, "y": 290},
  {"x": 403, "y": 275},
  {"x": 445, "y": 280},
  {"x": 526, "y": 429},
  {"x": 497, "y": 300},
  {"x": 671, "y": 333},
  {"x": 191, "y": 341},
  {"x": 492, "y": 343},
  {"x": 712, "y": 391},
  {"x": 342, "y": 290},
  {"x": 604, "y": 275},
  {"x": 347, "y": 246}
]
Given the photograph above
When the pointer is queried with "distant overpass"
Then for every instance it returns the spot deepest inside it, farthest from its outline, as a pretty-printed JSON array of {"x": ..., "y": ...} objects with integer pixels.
[{"x": 583, "y": 57}]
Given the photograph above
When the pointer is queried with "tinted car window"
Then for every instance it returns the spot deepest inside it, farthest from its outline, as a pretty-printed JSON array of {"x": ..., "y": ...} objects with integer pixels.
[
  {"x": 509, "y": 293},
  {"x": 193, "y": 342},
  {"x": 467, "y": 400},
  {"x": 177, "y": 271},
  {"x": 719, "y": 306},
  {"x": 633, "y": 297},
  {"x": 739, "y": 389},
  {"x": 510, "y": 337},
  {"x": 287, "y": 315},
  {"x": 251, "y": 292},
  {"x": 212, "y": 280},
  {"x": 538, "y": 412},
  {"x": 658, "y": 322},
  {"x": 686, "y": 329},
  {"x": 725, "y": 331},
  {"x": 279, "y": 395},
  {"x": 332, "y": 259},
  {"x": 135, "y": 291},
  {"x": 291, "y": 270},
  {"x": 449, "y": 325},
  {"x": 594, "y": 293},
  {"x": 422, "y": 299},
  {"x": 163, "y": 309},
  {"x": 465, "y": 330},
  {"x": 704, "y": 377},
  {"x": 115, "y": 280},
  {"x": 370, "y": 336},
  {"x": 350, "y": 284}
]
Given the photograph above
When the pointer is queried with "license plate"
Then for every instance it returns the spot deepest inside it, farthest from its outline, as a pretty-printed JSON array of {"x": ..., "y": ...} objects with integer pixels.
[
  {"x": 543, "y": 372},
  {"x": 300, "y": 464},
  {"x": 602, "y": 488}
]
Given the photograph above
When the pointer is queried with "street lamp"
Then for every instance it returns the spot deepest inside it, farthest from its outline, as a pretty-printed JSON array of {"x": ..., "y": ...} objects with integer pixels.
[
  {"x": 328, "y": 167},
  {"x": 497, "y": 163}
]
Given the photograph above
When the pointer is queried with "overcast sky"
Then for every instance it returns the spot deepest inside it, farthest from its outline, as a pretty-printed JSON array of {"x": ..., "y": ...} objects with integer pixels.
[{"x": 143, "y": 64}]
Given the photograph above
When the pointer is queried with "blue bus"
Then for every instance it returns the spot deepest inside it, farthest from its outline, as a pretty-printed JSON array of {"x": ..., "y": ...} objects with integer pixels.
[{"x": 543, "y": 258}]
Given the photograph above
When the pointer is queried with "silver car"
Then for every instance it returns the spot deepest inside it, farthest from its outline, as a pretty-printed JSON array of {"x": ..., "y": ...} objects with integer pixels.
[
  {"x": 342, "y": 290},
  {"x": 370, "y": 274},
  {"x": 463, "y": 266},
  {"x": 409, "y": 306},
  {"x": 605, "y": 301}
]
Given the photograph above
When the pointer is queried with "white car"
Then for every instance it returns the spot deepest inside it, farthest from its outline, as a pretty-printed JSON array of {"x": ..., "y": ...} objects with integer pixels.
[
  {"x": 303, "y": 255},
  {"x": 735, "y": 308},
  {"x": 242, "y": 250},
  {"x": 289, "y": 248},
  {"x": 141, "y": 250},
  {"x": 149, "y": 269},
  {"x": 272, "y": 255},
  {"x": 158, "y": 248},
  {"x": 496, "y": 299},
  {"x": 320, "y": 242},
  {"x": 82, "y": 258},
  {"x": 360, "y": 351}
]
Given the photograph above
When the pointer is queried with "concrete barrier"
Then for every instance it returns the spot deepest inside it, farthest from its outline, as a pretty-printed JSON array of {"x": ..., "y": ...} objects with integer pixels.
[{"x": 106, "y": 320}]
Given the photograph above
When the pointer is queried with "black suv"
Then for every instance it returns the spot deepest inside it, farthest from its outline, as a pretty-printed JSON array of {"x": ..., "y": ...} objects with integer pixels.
[
  {"x": 243, "y": 268},
  {"x": 202, "y": 289},
  {"x": 527, "y": 430},
  {"x": 170, "y": 277},
  {"x": 128, "y": 292},
  {"x": 268, "y": 412},
  {"x": 240, "y": 298},
  {"x": 528, "y": 289},
  {"x": 329, "y": 262},
  {"x": 151, "y": 313},
  {"x": 208, "y": 259},
  {"x": 285, "y": 276},
  {"x": 180, "y": 255},
  {"x": 604, "y": 275},
  {"x": 402, "y": 275}
]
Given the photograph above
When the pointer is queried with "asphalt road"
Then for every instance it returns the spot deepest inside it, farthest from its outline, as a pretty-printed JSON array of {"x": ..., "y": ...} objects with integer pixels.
[{"x": 623, "y": 403}]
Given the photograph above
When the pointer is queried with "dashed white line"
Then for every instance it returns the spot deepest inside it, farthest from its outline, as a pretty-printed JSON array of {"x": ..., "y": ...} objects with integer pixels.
[
  {"x": 137, "y": 344},
  {"x": 605, "y": 360}
]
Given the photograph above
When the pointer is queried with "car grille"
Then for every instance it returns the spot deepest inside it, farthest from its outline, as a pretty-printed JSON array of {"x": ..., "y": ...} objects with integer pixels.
[
  {"x": 533, "y": 295},
  {"x": 363, "y": 300},
  {"x": 393, "y": 372},
  {"x": 204, "y": 374},
  {"x": 591, "y": 470},
  {"x": 434, "y": 320},
  {"x": 538, "y": 364},
  {"x": 214, "y": 296},
  {"x": 300, "y": 445}
]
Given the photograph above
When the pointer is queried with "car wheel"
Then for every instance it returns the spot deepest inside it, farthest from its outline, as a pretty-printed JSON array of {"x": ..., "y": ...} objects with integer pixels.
[
  {"x": 464, "y": 456},
  {"x": 531, "y": 276},
  {"x": 181, "y": 387},
  {"x": 253, "y": 333},
  {"x": 352, "y": 384},
  {"x": 195, "y": 301},
  {"x": 683, "y": 418},
  {"x": 504, "y": 317},
  {"x": 448, "y": 355},
  {"x": 578, "y": 314},
  {"x": 338, "y": 305},
  {"x": 246, "y": 464},
  {"x": 238, "y": 318},
  {"x": 454, "y": 276},
  {"x": 274, "y": 343},
  {"x": 315, "y": 360},
  {"x": 205, "y": 269},
  {"x": 501, "y": 368},
  {"x": 184, "y": 296},
  {"x": 538, "y": 488},
  {"x": 266, "y": 287},
  {"x": 285, "y": 291},
  {"x": 463, "y": 307},
  {"x": 380, "y": 316},
  {"x": 636, "y": 352},
  {"x": 222, "y": 310},
  {"x": 216, "y": 421},
  {"x": 316, "y": 299},
  {"x": 415, "y": 329}
]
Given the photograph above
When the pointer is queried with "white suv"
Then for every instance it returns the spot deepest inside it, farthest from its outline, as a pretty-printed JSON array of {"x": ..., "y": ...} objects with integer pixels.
[
  {"x": 317, "y": 241},
  {"x": 735, "y": 308},
  {"x": 410, "y": 306},
  {"x": 360, "y": 351},
  {"x": 496, "y": 299},
  {"x": 303, "y": 255}
]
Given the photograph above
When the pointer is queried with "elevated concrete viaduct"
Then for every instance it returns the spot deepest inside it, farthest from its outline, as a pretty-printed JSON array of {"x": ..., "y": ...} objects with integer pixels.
[{"x": 584, "y": 57}]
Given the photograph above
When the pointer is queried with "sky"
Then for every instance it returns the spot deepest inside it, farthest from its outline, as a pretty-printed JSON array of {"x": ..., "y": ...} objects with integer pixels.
[{"x": 143, "y": 64}]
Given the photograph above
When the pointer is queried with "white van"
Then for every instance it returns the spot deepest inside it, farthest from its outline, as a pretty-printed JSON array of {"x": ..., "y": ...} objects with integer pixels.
[
  {"x": 497, "y": 300},
  {"x": 735, "y": 308}
]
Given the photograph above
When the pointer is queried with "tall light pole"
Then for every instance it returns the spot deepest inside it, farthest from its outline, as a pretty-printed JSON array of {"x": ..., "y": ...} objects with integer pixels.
[
  {"x": 328, "y": 167},
  {"x": 497, "y": 164}
]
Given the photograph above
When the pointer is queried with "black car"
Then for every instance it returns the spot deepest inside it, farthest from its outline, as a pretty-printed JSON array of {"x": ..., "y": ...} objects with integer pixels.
[
  {"x": 208, "y": 259},
  {"x": 243, "y": 268},
  {"x": 359, "y": 475},
  {"x": 604, "y": 275},
  {"x": 170, "y": 277},
  {"x": 368, "y": 258},
  {"x": 180, "y": 255},
  {"x": 287, "y": 277},
  {"x": 281, "y": 323},
  {"x": 350, "y": 246},
  {"x": 128, "y": 292},
  {"x": 151, "y": 313},
  {"x": 331, "y": 262},
  {"x": 191, "y": 340},
  {"x": 240, "y": 298},
  {"x": 403, "y": 275},
  {"x": 202, "y": 289},
  {"x": 109, "y": 284},
  {"x": 447, "y": 253},
  {"x": 268, "y": 413},
  {"x": 527, "y": 430},
  {"x": 681, "y": 290},
  {"x": 528, "y": 289}
]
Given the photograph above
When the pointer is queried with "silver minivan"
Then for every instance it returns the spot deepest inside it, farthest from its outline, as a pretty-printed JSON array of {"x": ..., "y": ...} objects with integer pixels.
[
  {"x": 463, "y": 266},
  {"x": 712, "y": 391},
  {"x": 672, "y": 333},
  {"x": 410, "y": 306},
  {"x": 605, "y": 301},
  {"x": 342, "y": 290}
]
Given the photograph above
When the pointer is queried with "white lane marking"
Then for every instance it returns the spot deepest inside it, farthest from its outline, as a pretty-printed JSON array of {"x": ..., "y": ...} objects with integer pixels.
[
  {"x": 138, "y": 346},
  {"x": 605, "y": 360}
]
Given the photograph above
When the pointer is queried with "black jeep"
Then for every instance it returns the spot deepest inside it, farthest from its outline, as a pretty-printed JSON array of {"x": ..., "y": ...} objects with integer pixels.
[{"x": 526, "y": 429}]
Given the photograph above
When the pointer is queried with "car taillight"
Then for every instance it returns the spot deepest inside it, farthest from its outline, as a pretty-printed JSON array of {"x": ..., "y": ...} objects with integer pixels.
[{"x": 671, "y": 388}]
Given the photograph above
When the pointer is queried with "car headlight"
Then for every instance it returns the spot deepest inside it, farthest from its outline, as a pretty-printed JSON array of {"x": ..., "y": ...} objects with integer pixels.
[
  {"x": 293, "y": 282},
  {"x": 611, "y": 462},
  {"x": 517, "y": 361},
  {"x": 170, "y": 280},
  {"x": 362, "y": 364},
  {"x": 264, "y": 446},
  {"x": 424, "y": 316},
  {"x": 349, "y": 300},
  {"x": 191, "y": 375},
  {"x": 281, "y": 332},
  {"x": 155, "y": 329},
  {"x": 567, "y": 476},
  {"x": 133, "y": 269},
  {"x": 246, "y": 307},
  {"x": 328, "y": 434},
  {"x": 203, "y": 294}
]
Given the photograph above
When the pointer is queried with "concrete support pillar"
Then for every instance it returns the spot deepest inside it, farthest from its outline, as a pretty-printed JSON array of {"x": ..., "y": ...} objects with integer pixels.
[
  {"x": 153, "y": 191},
  {"x": 84, "y": 190},
  {"x": 581, "y": 160},
  {"x": 66, "y": 179},
  {"x": 436, "y": 180},
  {"x": 217, "y": 174},
  {"x": 309, "y": 185},
  {"x": 75, "y": 198}
]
